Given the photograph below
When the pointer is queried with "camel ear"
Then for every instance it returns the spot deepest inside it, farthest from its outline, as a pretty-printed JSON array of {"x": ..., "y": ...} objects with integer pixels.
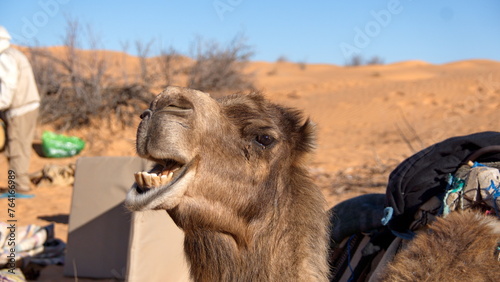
[{"x": 307, "y": 137}]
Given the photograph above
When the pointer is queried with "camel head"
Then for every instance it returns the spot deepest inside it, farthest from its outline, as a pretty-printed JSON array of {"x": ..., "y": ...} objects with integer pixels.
[
  {"x": 230, "y": 152},
  {"x": 230, "y": 173}
]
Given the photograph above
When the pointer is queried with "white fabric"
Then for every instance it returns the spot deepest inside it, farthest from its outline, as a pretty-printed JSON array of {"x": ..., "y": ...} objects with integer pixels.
[
  {"x": 9, "y": 73},
  {"x": 18, "y": 90},
  {"x": 4, "y": 33},
  {"x": 23, "y": 110},
  {"x": 4, "y": 44}
]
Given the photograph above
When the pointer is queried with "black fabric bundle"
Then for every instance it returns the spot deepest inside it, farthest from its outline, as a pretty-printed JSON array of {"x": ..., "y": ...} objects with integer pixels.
[{"x": 424, "y": 175}]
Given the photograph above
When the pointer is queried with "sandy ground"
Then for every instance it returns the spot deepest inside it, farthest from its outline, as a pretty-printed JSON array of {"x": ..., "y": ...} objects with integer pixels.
[{"x": 368, "y": 119}]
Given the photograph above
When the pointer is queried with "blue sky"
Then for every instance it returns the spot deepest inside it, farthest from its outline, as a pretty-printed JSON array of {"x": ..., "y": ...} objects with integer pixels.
[{"x": 438, "y": 31}]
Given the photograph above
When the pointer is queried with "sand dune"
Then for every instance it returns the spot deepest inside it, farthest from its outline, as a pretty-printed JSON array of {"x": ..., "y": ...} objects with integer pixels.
[{"x": 366, "y": 116}]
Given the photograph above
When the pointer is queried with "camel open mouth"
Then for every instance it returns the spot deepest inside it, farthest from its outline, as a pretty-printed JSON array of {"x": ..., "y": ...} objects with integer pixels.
[
  {"x": 162, "y": 187},
  {"x": 161, "y": 175}
]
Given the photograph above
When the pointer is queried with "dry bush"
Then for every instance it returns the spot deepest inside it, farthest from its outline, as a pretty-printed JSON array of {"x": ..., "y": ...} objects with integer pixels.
[
  {"x": 375, "y": 60},
  {"x": 77, "y": 87},
  {"x": 146, "y": 76},
  {"x": 357, "y": 60},
  {"x": 127, "y": 102},
  {"x": 219, "y": 70},
  {"x": 282, "y": 59},
  {"x": 123, "y": 61},
  {"x": 302, "y": 65},
  {"x": 47, "y": 76},
  {"x": 168, "y": 65}
]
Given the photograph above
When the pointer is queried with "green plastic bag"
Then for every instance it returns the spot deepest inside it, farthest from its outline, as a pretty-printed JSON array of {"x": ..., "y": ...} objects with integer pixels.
[{"x": 60, "y": 146}]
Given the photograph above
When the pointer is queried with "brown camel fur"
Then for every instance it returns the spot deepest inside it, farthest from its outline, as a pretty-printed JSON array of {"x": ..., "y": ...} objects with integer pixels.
[
  {"x": 460, "y": 247},
  {"x": 239, "y": 188},
  {"x": 230, "y": 172}
]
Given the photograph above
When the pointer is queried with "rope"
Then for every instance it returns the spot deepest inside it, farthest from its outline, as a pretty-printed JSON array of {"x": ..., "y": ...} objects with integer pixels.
[
  {"x": 483, "y": 151},
  {"x": 351, "y": 278}
]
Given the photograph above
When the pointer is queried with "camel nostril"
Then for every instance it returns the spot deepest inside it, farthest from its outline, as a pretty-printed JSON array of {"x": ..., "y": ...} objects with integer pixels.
[{"x": 146, "y": 113}]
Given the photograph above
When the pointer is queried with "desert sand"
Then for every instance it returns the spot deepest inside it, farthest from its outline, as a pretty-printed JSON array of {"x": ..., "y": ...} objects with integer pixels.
[{"x": 369, "y": 118}]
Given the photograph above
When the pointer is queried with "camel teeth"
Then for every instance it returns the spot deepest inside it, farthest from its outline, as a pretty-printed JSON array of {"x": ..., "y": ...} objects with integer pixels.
[
  {"x": 152, "y": 180},
  {"x": 138, "y": 179},
  {"x": 147, "y": 179},
  {"x": 164, "y": 180},
  {"x": 156, "y": 180}
]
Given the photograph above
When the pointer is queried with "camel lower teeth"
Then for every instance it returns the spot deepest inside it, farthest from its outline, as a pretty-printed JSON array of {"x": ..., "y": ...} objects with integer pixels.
[{"x": 152, "y": 180}]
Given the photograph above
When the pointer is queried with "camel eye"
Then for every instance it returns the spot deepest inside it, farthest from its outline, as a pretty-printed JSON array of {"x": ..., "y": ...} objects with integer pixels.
[{"x": 264, "y": 140}]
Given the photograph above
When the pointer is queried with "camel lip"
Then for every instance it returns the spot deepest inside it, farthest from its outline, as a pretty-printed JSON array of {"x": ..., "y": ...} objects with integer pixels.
[{"x": 162, "y": 165}]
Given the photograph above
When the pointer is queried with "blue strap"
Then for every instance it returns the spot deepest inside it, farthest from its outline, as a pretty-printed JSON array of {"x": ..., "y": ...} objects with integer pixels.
[
  {"x": 388, "y": 212},
  {"x": 17, "y": 196},
  {"x": 495, "y": 195},
  {"x": 476, "y": 164}
]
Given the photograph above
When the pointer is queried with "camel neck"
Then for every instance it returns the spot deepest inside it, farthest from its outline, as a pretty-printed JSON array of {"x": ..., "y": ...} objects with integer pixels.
[
  {"x": 291, "y": 246},
  {"x": 216, "y": 256}
]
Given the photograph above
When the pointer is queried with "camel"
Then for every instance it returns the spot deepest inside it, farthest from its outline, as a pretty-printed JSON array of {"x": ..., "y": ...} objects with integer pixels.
[
  {"x": 231, "y": 173},
  {"x": 461, "y": 247}
]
